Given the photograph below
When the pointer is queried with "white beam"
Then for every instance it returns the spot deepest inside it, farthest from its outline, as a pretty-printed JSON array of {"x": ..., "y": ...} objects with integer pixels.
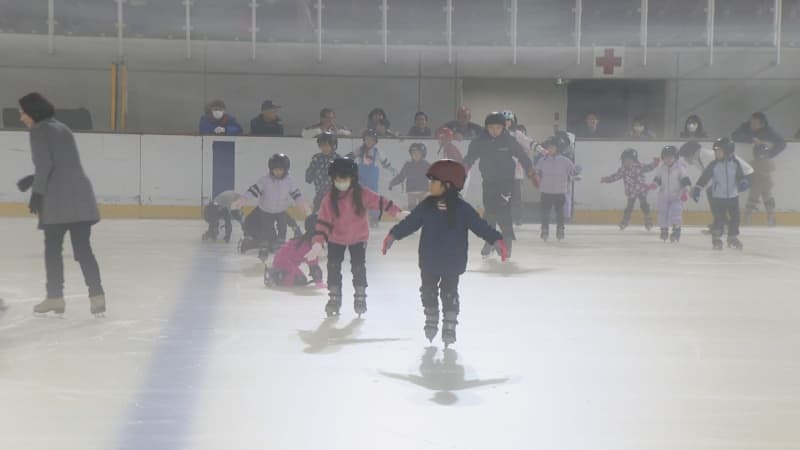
[
  {"x": 514, "y": 33},
  {"x": 449, "y": 30},
  {"x": 319, "y": 30},
  {"x": 51, "y": 27},
  {"x": 778, "y": 29},
  {"x": 578, "y": 28},
  {"x": 643, "y": 32},
  {"x": 187, "y": 27},
  {"x": 253, "y": 29},
  {"x": 710, "y": 18},
  {"x": 120, "y": 30},
  {"x": 385, "y": 29}
]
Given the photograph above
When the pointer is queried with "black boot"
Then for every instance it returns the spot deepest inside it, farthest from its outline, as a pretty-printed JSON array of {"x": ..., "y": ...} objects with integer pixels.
[
  {"x": 664, "y": 234},
  {"x": 560, "y": 233},
  {"x": 360, "y": 300},
  {"x": 675, "y": 237},
  {"x": 449, "y": 328},
  {"x": 431, "y": 323},
  {"x": 334, "y": 301},
  {"x": 545, "y": 233}
]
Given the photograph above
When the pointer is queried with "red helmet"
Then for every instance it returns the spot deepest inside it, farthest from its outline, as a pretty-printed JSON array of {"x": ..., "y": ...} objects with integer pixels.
[
  {"x": 448, "y": 171},
  {"x": 445, "y": 134}
]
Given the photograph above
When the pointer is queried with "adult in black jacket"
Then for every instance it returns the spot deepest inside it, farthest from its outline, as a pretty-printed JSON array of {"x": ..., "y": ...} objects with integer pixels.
[
  {"x": 767, "y": 144},
  {"x": 267, "y": 123},
  {"x": 496, "y": 150}
]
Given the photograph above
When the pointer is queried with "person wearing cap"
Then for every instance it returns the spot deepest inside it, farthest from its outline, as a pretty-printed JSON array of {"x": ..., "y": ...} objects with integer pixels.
[
  {"x": 216, "y": 121},
  {"x": 267, "y": 123},
  {"x": 463, "y": 127}
]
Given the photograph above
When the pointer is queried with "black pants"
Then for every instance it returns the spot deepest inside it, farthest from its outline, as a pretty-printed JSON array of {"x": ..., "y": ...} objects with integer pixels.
[
  {"x": 626, "y": 217},
  {"x": 263, "y": 226},
  {"x": 358, "y": 258},
  {"x": 79, "y": 234},
  {"x": 497, "y": 199},
  {"x": 725, "y": 212},
  {"x": 549, "y": 202},
  {"x": 437, "y": 285},
  {"x": 213, "y": 215}
]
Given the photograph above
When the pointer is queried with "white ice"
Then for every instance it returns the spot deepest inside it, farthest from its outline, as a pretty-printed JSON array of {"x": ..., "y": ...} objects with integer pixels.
[{"x": 610, "y": 340}]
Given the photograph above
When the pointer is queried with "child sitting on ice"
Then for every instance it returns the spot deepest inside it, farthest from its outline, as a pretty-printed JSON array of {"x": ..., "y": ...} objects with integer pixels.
[{"x": 285, "y": 270}]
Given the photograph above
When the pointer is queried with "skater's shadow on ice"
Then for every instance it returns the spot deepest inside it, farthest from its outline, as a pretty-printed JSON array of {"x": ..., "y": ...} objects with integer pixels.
[
  {"x": 506, "y": 269},
  {"x": 329, "y": 339},
  {"x": 443, "y": 376}
]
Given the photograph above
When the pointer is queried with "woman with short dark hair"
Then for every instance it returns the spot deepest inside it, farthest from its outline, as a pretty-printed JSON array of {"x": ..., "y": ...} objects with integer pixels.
[{"x": 63, "y": 198}]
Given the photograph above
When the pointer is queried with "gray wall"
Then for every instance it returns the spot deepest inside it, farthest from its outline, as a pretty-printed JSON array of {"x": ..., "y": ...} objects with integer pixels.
[{"x": 167, "y": 91}]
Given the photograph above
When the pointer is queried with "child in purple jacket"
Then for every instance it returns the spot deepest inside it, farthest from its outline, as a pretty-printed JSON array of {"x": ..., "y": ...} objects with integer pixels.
[
  {"x": 632, "y": 174},
  {"x": 554, "y": 172},
  {"x": 285, "y": 270}
]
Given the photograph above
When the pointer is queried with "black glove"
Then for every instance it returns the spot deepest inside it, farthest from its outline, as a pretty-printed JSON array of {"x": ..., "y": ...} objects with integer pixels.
[
  {"x": 696, "y": 194},
  {"x": 25, "y": 183},
  {"x": 35, "y": 204}
]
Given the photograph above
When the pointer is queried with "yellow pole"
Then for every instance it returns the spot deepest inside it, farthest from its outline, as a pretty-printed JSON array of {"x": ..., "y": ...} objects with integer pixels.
[
  {"x": 113, "y": 121},
  {"x": 123, "y": 97}
]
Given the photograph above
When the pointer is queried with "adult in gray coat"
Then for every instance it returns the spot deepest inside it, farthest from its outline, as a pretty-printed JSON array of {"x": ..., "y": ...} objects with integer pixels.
[{"x": 63, "y": 198}]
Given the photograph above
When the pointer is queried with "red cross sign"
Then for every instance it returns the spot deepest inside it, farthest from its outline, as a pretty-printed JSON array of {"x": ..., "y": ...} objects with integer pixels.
[{"x": 608, "y": 61}]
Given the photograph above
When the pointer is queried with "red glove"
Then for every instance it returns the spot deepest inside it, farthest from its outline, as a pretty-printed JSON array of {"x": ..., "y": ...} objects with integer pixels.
[
  {"x": 652, "y": 187},
  {"x": 503, "y": 250},
  {"x": 656, "y": 161},
  {"x": 387, "y": 243},
  {"x": 537, "y": 180},
  {"x": 684, "y": 196},
  {"x": 604, "y": 180}
]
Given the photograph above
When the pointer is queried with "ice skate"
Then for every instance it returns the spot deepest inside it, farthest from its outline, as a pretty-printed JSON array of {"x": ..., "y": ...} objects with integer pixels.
[
  {"x": 486, "y": 251},
  {"x": 675, "y": 237},
  {"x": 449, "y": 328},
  {"x": 334, "y": 301},
  {"x": 545, "y": 234},
  {"x": 360, "y": 300},
  {"x": 716, "y": 243},
  {"x": 97, "y": 305},
  {"x": 648, "y": 223},
  {"x": 247, "y": 244},
  {"x": 623, "y": 225},
  {"x": 560, "y": 233},
  {"x": 208, "y": 237},
  {"x": 734, "y": 242},
  {"x": 268, "y": 280},
  {"x": 664, "y": 234},
  {"x": 263, "y": 255},
  {"x": 56, "y": 305},
  {"x": 431, "y": 323}
]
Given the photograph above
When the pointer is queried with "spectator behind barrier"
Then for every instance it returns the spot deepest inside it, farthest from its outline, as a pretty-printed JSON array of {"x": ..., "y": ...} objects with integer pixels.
[
  {"x": 591, "y": 128},
  {"x": 327, "y": 124},
  {"x": 420, "y": 128},
  {"x": 267, "y": 123},
  {"x": 378, "y": 121},
  {"x": 693, "y": 129},
  {"x": 216, "y": 121},
  {"x": 639, "y": 129},
  {"x": 462, "y": 127}
]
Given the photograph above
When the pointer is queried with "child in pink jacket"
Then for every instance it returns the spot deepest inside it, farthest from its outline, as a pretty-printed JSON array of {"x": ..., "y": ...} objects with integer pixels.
[
  {"x": 343, "y": 223},
  {"x": 285, "y": 270}
]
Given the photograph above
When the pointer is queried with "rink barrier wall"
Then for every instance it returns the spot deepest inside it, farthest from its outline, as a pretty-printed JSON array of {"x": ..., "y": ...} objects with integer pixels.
[{"x": 171, "y": 176}]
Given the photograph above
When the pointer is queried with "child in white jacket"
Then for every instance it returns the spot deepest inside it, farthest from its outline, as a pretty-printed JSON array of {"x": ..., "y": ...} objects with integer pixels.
[{"x": 673, "y": 184}]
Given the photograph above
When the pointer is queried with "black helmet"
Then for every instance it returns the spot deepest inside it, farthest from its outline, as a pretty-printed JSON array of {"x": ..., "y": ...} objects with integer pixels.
[
  {"x": 552, "y": 141},
  {"x": 726, "y": 145},
  {"x": 689, "y": 149},
  {"x": 629, "y": 153},
  {"x": 369, "y": 132},
  {"x": 328, "y": 138},
  {"x": 669, "y": 150},
  {"x": 279, "y": 161},
  {"x": 420, "y": 147},
  {"x": 343, "y": 168},
  {"x": 495, "y": 118}
]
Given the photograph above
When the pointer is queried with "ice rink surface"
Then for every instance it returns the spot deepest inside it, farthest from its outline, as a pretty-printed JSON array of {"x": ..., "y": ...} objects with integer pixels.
[{"x": 610, "y": 340}]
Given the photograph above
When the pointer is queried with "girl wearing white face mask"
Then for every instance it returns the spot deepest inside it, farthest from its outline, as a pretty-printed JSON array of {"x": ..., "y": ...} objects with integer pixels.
[
  {"x": 217, "y": 122},
  {"x": 693, "y": 129},
  {"x": 343, "y": 222}
]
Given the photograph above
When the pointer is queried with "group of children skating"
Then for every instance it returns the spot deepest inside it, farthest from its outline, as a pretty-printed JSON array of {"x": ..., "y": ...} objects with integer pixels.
[{"x": 346, "y": 206}]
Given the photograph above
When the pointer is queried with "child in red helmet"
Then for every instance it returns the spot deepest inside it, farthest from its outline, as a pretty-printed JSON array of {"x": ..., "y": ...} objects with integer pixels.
[
  {"x": 448, "y": 150},
  {"x": 444, "y": 218}
]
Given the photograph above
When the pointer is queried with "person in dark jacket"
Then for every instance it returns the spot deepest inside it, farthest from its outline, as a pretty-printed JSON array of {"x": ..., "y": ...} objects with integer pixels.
[
  {"x": 415, "y": 175},
  {"x": 496, "y": 150},
  {"x": 63, "y": 198},
  {"x": 445, "y": 219},
  {"x": 767, "y": 144},
  {"x": 693, "y": 128},
  {"x": 463, "y": 127},
  {"x": 216, "y": 121},
  {"x": 727, "y": 180},
  {"x": 591, "y": 128},
  {"x": 267, "y": 123},
  {"x": 317, "y": 171},
  {"x": 420, "y": 128}
]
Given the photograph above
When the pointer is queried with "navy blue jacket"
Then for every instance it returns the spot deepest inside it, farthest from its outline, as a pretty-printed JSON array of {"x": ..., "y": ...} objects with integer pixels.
[{"x": 443, "y": 250}]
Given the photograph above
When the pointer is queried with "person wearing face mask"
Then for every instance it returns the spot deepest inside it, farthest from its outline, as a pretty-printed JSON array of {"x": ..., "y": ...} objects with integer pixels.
[
  {"x": 218, "y": 122},
  {"x": 639, "y": 130},
  {"x": 693, "y": 129},
  {"x": 496, "y": 150}
]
